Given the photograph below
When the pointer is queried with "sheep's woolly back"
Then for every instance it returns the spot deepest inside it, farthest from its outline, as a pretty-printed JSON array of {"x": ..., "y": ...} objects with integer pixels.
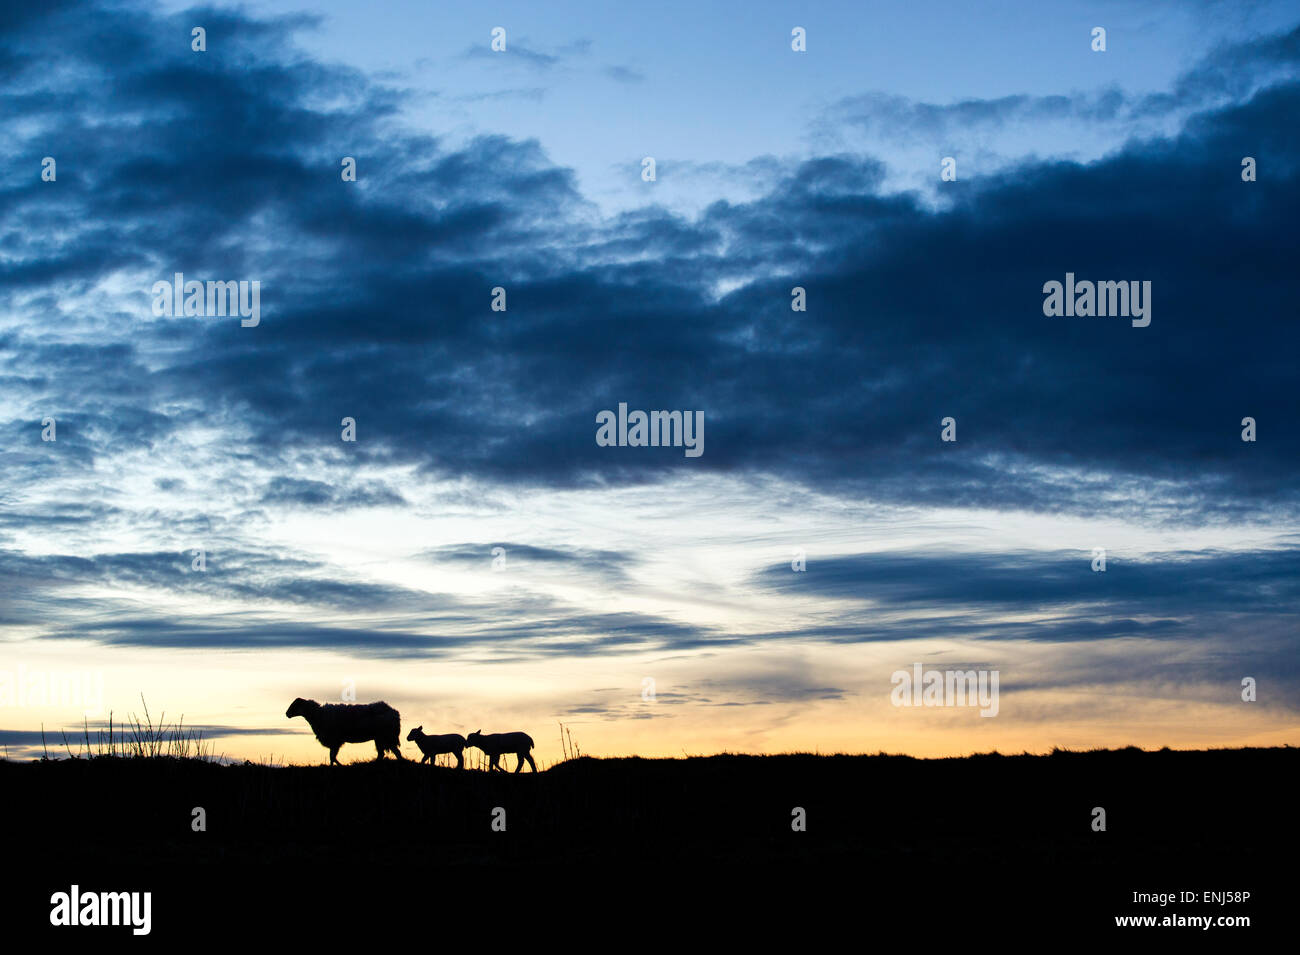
[{"x": 336, "y": 723}]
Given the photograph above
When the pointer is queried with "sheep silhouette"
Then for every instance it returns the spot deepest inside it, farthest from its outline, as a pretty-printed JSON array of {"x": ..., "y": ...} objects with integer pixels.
[
  {"x": 433, "y": 746},
  {"x": 337, "y": 723},
  {"x": 494, "y": 744}
]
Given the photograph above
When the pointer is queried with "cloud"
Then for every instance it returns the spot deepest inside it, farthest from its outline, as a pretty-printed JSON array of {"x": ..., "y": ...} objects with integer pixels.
[
  {"x": 885, "y": 114},
  {"x": 528, "y": 54},
  {"x": 33, "y": 744},
  {"x": 1185, "y": 583},
  {"x": 376, "y": 306},
  {"x": 534, "y": 93},
  {"x": 623, "y": 74},
  {"x": 54, "y": 736},
  {"x": 1230, "y": 75},
  {"x": 609, "y": 566},
  {"x": 748, "y": 685},
  {"x": 915, "y": 313},
  {"x": 483, "y": 639},
  {"x": 307, "y": 493}
]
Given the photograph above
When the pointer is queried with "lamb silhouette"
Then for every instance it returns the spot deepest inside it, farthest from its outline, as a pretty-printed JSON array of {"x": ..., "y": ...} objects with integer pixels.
[
  {"x": 433, "y": 746},
  {"x": 337, "y": 723},
  {"x": 494, "y": 744}
]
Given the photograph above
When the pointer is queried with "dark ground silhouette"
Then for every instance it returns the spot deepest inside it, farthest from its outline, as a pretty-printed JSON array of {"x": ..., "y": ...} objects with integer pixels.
[{"x": 1006, "y": 839}]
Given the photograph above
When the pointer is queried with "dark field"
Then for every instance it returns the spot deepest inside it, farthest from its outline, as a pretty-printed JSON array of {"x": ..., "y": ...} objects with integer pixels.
[{"x": 1005, "y": 839}]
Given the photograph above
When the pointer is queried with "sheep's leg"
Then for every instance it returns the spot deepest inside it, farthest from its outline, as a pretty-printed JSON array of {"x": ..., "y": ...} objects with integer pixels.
[
  {"x": 519, "y": 761},
  {"x": 492, "y": 762},
  {"x": 334, "y": 755},
  {"x": 529, "y": 757},
  {"x": 460, "y": 763},
  {"x": 427, "y": 757},
  {"x": 379, "y": 748}
]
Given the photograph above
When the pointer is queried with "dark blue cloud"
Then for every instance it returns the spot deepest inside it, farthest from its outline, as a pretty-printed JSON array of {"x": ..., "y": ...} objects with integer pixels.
[
  {"x": 1265, "y": 582},
  {"x": 486, "y": 637},
  {"x": 376, "y": 293},
  {"x": 308, "y": 493},
  {"x": 611, "y": 567}
]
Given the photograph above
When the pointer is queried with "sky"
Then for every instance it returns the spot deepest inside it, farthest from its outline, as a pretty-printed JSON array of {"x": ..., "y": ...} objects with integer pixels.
[{"x": 476, "y": 556}]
